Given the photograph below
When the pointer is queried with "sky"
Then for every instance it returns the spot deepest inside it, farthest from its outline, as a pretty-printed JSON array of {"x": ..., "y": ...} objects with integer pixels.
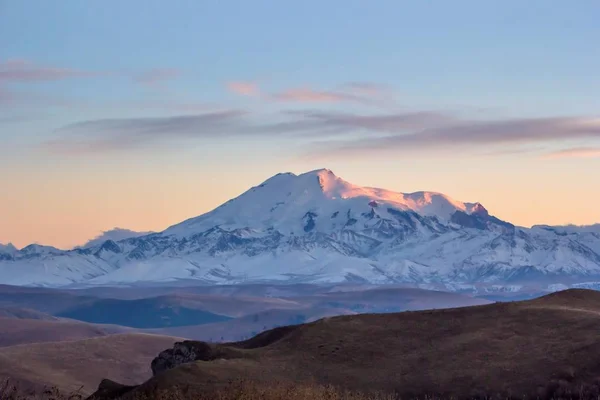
[{"x": 140, "y": 114}]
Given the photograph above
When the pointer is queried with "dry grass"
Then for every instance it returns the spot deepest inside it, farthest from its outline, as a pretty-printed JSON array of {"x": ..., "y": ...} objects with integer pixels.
[
  {"x": 83, "y": 363},
  {"x": 236, "y": 390},
  {"x": 245, "y": 390},
  {"x": 11, "y": 391},
  {"x": 15, "y": 331},
  {"x": 547, "y": 348}
]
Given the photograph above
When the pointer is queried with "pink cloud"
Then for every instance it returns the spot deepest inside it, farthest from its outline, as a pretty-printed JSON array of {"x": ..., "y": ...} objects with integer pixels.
[
  {"x": 17, "y": 70},
  {"x": 576, "y": 152},
  {"x": 243, "y": 88},
  {"x": 314, "y": 96}
]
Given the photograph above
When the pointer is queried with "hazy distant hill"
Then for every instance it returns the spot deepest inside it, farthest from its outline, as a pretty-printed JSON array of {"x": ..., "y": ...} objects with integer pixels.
[{"x": 143, "y": 313}]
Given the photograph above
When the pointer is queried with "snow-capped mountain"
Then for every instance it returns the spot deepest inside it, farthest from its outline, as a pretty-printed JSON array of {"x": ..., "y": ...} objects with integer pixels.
[
  {"x": 287, "y": 203},
  {"x": 316, "y": 227}
]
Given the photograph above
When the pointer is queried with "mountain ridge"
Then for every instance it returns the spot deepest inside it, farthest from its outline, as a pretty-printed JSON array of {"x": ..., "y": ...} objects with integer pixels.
[{"x": 318, "y": 228}]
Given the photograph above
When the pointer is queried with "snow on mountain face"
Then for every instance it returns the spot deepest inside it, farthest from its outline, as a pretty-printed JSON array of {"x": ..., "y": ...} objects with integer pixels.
[
  {"x": 7, "y": 247},
  {"x": 115, "y": 234},
  {"x": 316, "y": 227},
  {"x": 288, "y": 203},
  {"x": 7, "y": 251},
  {"x": 566, "y": 229}
]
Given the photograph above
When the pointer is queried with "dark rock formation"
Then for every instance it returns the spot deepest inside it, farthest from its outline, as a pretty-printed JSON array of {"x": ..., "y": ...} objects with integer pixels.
[
  {"x": 182, "y": 353},
  {"x": 110, "y": 390}
]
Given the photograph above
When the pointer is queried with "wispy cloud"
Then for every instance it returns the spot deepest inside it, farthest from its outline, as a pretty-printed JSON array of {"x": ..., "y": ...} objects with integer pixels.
[
  {"x": 129, "y": 133},
  {"x": 306, "y": 95},
  {"x": 576, "y": 152},
  {"x": 468, "y": 135},
  {"x": 352, "y": 92},
  {"x": 365, "y": 93},
  {"x": 344, "y": 133},
  {"x": 243, "y": 88},
  {"x": 23, "y": 71},
  {"x": 381, "y": 123},
  {"x": 17, "y": 70},
  {"x": 108, "y": 135},
  {"x": 15, "y": 74}
]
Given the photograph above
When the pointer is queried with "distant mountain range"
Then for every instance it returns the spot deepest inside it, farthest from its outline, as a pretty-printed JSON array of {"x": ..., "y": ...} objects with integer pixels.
[
  {"x": 318, "y": 228},
  {"x": 115, "y": 235}
]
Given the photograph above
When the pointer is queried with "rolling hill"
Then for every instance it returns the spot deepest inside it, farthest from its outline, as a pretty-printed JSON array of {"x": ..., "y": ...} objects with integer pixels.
[
  {"x": 81, "y": 364},
  {"x": 24, "y": 331},
  {"x": 24, "y": 313},
  {"x": 540, "y": 348}
]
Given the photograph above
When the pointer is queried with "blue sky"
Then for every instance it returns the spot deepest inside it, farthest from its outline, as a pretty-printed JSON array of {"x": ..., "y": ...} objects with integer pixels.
[{"x": 184, "y": 104}]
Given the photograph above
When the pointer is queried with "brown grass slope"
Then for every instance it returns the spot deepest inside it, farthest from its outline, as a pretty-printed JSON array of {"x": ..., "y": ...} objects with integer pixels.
[
  {"x": 540, "y": 348},
  {"x": 83, "y": 363},
  {"x": 14, "y": 331},
  {"x": 25, "y": 313}
]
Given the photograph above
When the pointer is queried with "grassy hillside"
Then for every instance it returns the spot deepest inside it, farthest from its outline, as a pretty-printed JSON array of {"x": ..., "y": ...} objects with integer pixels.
[
  {"x": 82, "y": 364},
  {"x": 25, "y": 313},
  {"x": 14, "y": 331},
  {"x": 540, "y": 348}
]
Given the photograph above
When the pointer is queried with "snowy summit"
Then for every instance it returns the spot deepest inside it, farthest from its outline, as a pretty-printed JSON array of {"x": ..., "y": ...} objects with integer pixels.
[{"x": 283, "y": 201}]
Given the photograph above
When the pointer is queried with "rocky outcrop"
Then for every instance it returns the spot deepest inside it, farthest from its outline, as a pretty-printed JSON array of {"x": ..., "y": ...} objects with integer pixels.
[
  {"x": 184, "y": 352},
  {"x": 108, "y": 390},
  {"x": 181, "y": 353}
]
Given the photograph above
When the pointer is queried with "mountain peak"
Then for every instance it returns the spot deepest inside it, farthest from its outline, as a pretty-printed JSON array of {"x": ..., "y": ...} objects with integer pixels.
[
  {"x": 283, "y": 201},
  {"x": 479, "y": 209},
  {"x": 320, "y": 172},
  {"x": 8, "y": 247}
]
